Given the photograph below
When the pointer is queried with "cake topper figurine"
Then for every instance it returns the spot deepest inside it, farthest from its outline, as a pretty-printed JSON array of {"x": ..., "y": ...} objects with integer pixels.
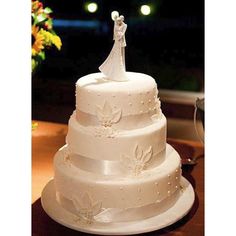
[{"x": 114, "y": 66}]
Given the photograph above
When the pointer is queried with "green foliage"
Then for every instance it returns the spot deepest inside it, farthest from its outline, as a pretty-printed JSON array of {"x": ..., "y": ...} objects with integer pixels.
[
  {"x": 43, "y": 35},
  {"x": 47, "y": 10}
]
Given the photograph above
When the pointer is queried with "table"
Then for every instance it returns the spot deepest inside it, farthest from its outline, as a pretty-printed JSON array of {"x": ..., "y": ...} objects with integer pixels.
[{"x": 49, "y": 137}]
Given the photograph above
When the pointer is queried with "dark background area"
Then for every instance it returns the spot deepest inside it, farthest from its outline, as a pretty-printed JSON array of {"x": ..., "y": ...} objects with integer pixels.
[{"x": 168, "y": 44}]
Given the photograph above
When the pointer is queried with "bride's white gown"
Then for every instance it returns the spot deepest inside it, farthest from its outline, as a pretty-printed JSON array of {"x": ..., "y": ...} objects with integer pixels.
[{"x": 114, "y": 66}]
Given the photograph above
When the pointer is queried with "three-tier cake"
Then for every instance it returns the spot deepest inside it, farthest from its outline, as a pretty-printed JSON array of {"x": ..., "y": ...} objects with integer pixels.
[{"x": 116, "y": 168}]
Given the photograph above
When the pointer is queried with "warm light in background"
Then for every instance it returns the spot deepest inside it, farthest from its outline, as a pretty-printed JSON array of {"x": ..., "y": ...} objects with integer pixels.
[
  {"x": 145, "y": 10},
  {"x": 92, "y": 7}
]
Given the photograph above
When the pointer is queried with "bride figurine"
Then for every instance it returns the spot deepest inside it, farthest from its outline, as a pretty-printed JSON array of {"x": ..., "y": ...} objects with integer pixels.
[{"x": 114, "y": 66}]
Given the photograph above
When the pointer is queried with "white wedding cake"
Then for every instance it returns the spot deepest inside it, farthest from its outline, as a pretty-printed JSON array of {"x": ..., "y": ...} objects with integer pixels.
[
  {"x": 116, "y": 165},
  {"x": 116, "y": 173}
]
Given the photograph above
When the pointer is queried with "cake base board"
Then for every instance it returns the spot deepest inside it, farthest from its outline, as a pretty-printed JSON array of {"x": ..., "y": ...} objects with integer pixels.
[{"x": 172, "y": 215}]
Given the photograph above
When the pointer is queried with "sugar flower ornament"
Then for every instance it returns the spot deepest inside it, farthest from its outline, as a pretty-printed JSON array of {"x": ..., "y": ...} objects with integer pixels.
[
  {"x": 137, "y": 163},
  {"x": 114, "y": 66},
  {"x": 86, "y": 209},
  {"x": 107, "y": 115}
]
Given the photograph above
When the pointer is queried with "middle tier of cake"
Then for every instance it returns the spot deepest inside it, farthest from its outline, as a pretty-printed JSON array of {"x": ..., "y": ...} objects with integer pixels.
[{"x": 85, "y": 141}]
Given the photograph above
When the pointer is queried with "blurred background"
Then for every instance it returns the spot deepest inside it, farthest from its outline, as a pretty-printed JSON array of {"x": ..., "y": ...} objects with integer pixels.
[{"x": 165, "y": 39}]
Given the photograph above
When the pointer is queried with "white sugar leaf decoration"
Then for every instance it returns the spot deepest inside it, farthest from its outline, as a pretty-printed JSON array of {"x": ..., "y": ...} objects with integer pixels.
[
  {"x": 116, "y": 115},
  {"x": 138, "y": 152},
  {"x": 99, "y": 113},
  {"x": 127, "y": 161},
  {"x": 77, "y": 204},
  {"x": 137, "y": 163},
  {"x": 87, "y": 201},
  {"x": 108, "y": 132},
  {"x": 147, "y": 155},
  {"x": 108, "y": 116},
  {"x": 107, "y": 110},
  {"x": 96, "y": 208},
  {"x": 86, "y": 209}
]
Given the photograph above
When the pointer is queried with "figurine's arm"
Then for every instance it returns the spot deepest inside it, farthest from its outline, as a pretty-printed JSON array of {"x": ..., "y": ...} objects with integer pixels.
[{"x": 121, "y": 33}]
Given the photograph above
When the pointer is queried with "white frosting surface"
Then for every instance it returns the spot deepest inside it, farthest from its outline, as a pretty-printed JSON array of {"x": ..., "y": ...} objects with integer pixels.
[
  {"x": 116, "y": 164},
  {"x": 84, "y": 141},
  {"x": 124, "y": 191},
  {"x": 136, "y": 96}
]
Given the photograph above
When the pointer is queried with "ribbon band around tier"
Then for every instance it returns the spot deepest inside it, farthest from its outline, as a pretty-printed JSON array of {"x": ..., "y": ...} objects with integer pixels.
[
  {"x": 108, "y": 167},
  {"x": 115, "y": 215},
  {"x": 133, "y": 121}
]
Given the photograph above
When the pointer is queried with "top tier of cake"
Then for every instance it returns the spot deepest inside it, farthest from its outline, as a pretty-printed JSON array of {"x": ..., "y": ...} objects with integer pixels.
[{"x": 133, "y": 103}]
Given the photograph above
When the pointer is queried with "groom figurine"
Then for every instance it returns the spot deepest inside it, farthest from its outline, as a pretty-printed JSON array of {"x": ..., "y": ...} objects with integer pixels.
[{"x": 119, "y": 20}]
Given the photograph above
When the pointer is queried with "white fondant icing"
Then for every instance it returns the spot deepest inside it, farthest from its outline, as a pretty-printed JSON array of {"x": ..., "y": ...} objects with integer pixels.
[
  {"x": 84, "y": 141},
  {"x": 71, "y": 181},
  {"x": 96, "y": 83},
  {"x": 137, "y": 108},
  {"x": 120, "y": 167}
]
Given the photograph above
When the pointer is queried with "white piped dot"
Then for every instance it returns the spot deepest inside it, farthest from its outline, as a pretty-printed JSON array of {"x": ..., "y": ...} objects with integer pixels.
[
  {"x": 141, "y": 111},
  {"x": 176, "y": 170},
  {"x": 121, "y": 188},
  {"x": 168, "y": 192},
  {"x": 176, "y": 187},
  {"x": 142, "y": 102},
  {"x": 169, "y": 175},
  {"x": 169, "y": 183},
  {"x": 149, "y": 100},
  {"x": 158, "y": 193},
  {"x": 156, "y": 183},
  {"x": 130, "y": 103},
  {"x": 176, "y": 177}
]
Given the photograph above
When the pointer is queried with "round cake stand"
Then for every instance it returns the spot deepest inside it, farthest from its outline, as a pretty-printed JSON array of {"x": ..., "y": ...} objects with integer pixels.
[{"x": 64, "y": 217}]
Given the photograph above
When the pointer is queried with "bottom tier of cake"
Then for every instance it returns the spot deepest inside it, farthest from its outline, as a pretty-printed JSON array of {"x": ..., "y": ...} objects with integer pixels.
[{"x": 105, "y": 198}]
